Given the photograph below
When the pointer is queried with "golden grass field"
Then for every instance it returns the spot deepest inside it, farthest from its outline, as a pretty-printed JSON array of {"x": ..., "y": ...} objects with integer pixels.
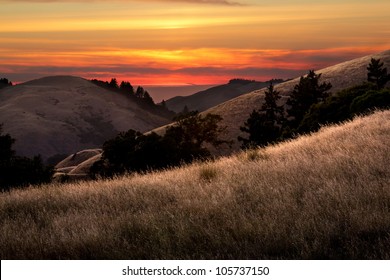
[{"x": 323, "y": 196}]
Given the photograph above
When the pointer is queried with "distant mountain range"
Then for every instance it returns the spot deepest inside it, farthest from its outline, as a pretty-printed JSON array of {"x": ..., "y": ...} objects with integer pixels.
[
  {"x": 65, "y": 114},
  {"x": 211, "y": 97}
]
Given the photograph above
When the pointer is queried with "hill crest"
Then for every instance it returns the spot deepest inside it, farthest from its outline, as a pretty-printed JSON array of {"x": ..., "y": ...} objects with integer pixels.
[{"x": 66, "y": 114}]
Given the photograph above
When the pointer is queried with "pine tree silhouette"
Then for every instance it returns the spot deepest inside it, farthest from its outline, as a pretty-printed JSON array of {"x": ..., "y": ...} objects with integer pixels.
[{"x": 377, "y": 74}]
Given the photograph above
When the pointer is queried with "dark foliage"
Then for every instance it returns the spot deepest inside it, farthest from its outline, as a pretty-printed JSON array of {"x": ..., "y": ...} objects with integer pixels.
[
  {"x": 23, "y": 171},
  {"x": 6, "y": 142},
  {"x": 183, "y": 142},
  {"x": 20, "y": 171},
  {"x": 5, "y": 83},
  {"x": 241, "y": 81},
  {"x": 246, "y": 81},
  {"x": 311, "y": 106},
  {"x": 143, "y": 94},
  {"x": 264, "y": 126},
  {"x": 334, "y": 109},
  {"x": 126, "y": 87},
  {"x": 140, "y": 96},
  {"x": 377, "y": 74},
  {"x": 308, "y": 92},
  {"x": 378, "y": 99},
  {"x": 130, "y": 152},
  {"x": 114, "y": 83},
  {"x": 350, "y": 102}
]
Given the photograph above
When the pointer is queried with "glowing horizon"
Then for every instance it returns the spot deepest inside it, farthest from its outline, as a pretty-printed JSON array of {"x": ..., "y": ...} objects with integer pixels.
[{"x": 178, "y": 42}]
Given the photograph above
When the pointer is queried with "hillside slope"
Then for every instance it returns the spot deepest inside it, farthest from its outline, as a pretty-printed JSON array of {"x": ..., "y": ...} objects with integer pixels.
[
  {"x": 64, "y": 114},
  {"x": 236, "y": 111},
  {"x": 323, "y": 196},
  {"x": 344, "y": 75},
  {"x": 208, "y": 98}
]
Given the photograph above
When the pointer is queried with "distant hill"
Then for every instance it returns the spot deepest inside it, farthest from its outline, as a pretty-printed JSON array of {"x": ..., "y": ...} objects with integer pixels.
[
  {"x": 208, "y": 98},
  {"x": 66, "y": 114},
  {"x": 237, "y": 110}
]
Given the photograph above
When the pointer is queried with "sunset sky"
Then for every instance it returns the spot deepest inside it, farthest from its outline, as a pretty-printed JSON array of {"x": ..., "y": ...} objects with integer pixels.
[{"x": 177, "y": 42}]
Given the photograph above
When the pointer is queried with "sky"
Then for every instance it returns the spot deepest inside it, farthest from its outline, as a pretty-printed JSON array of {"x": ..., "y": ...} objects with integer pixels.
[{"x": 181, "y": 42}]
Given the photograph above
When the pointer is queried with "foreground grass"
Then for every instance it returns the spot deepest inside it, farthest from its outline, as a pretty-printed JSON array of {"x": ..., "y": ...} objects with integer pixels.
[{"x": 317, "y": 197}]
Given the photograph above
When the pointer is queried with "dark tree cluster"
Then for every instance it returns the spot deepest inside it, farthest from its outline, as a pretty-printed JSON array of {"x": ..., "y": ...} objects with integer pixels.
[
  {"x": 241, "y": 81},
  {"x": 18, "y": 171},
  {"x": 247, "y": 81},
  {"x": 265, "y": 125},
  {"x": 306, "y": 93},
  {"x": 140, "y": 96},
  {"x": 126, "y": 88},
  {"x": 311, "y": 106},
  {"x": 5, "y": 83},
  {"x": 183, "y": 142}
]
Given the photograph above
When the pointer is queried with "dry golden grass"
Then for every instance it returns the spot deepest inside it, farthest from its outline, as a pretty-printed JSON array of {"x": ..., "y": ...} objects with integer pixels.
[{"x": 317, "y": 197}]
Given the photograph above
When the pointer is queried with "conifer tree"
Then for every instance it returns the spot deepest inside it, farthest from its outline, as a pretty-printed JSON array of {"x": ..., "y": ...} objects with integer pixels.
[
  {"x": 308, "y": 92},
  {"x": 114, "y": 83},
  {"x": 126, "y": 87},
  {"x": 377, "y": 74},
  {"x": 264, "y": 125}
]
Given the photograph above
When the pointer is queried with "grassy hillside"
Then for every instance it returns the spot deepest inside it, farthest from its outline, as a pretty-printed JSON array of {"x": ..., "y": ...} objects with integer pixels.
[
  {"x": 65, "y": 114},
  {"x": 321, "y": 196},
  {"x": 236, "y": 111}
]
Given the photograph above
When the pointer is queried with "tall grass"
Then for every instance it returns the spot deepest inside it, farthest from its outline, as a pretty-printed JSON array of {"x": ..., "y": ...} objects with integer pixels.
[{"x": 324, "y": 196}]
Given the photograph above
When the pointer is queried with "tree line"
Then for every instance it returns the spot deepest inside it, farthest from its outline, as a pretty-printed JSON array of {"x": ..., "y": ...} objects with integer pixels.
[
  {"x": 126, "y": 88},
  {"x": 138, "y": 95},
  {"x": 310, "y": 105},
  {"x": 4, "y": 82}
]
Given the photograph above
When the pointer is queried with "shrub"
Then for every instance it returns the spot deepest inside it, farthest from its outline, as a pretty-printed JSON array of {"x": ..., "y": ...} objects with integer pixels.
[
  {"x": 20, "y": 171},
  {"x": 334, "y": 109},
  {"x": 183, "y": 142},
  {"x": 372, "y": 99}
]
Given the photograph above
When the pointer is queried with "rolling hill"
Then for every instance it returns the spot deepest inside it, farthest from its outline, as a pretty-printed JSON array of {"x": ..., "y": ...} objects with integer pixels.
[
  {"x": 213, "y": 96},
  {"x": 236, "y": 111},
  {"x": 320, "y": 196},
  {"x": 65, "y": 114}
]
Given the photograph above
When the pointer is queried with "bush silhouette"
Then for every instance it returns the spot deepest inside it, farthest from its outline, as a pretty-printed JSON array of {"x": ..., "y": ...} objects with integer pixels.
[
  {"x": 183, "y": 142},
  {"x": 5, "y": 83},
  {"x": 372, "y": 99},
  {"x": 20, "y": 171},
  {"x": 334, "y": 109}
]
